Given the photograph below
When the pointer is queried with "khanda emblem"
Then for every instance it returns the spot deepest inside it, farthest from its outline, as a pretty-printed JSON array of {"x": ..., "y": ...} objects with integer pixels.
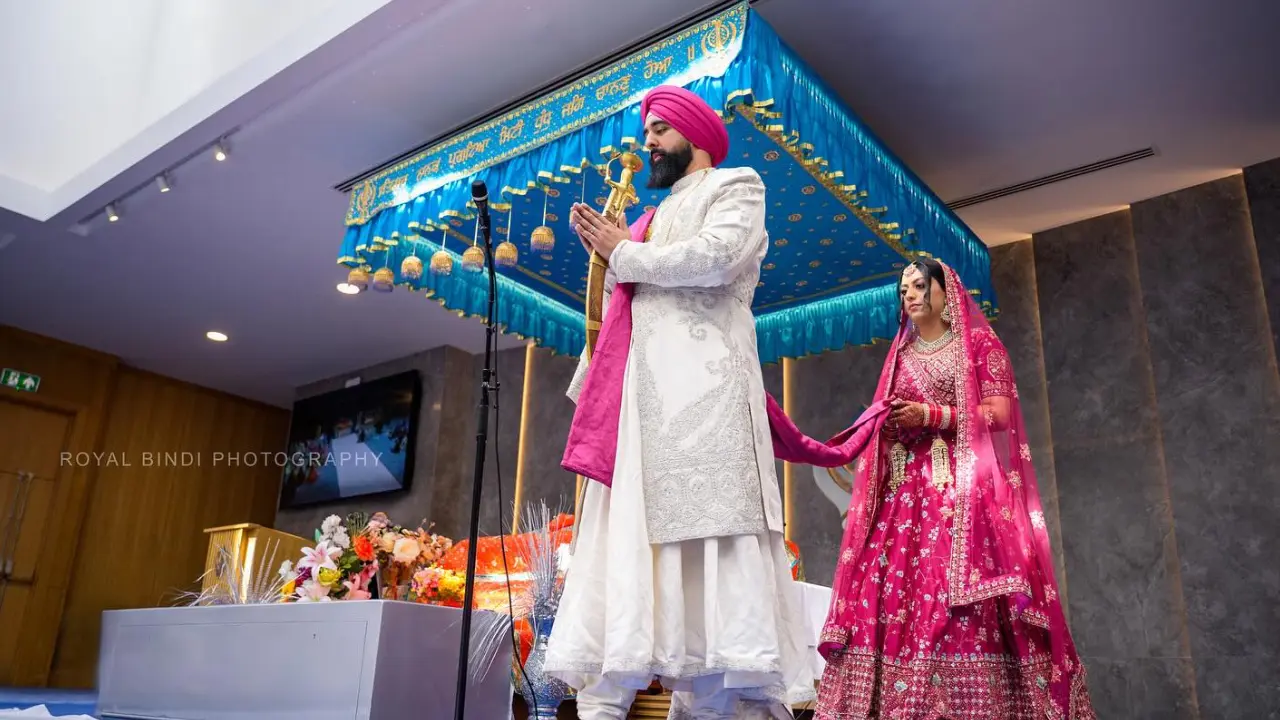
[{"x": 719, "y": 37}]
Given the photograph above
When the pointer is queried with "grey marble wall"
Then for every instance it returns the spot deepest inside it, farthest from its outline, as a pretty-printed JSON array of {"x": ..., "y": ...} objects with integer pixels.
[
  {"x": 1013, "y": 275},
  {"x": 455, "y": 448},
  {"x": 828, "y": 392},
  {"x": 502, "y": 447},
  {"x": 1121, "y": 554},
  {"x": 1218, "y": 395},
  {"x": 1262, "y": 185},
  {"x": 550, "y": 414}
]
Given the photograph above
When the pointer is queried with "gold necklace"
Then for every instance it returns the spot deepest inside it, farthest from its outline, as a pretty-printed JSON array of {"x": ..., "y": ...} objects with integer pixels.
[{"x": 929, "y": 347}]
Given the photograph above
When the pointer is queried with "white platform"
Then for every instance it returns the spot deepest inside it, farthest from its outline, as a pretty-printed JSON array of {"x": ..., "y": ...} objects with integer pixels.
[{"x": 361, "y": 660}]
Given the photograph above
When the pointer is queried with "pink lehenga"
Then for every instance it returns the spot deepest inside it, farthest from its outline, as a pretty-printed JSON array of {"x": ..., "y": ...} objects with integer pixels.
[{"x": 944, "y": 602}]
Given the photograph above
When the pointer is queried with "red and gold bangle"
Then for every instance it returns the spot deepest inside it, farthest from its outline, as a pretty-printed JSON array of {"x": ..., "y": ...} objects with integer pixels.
[{"x": 939, "y": 416}]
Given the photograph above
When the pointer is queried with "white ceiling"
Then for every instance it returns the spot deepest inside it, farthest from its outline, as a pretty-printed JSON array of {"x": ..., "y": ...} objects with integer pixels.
[
  {"x": 95, "y": 87},
  {"x": 972, "y": 96}
]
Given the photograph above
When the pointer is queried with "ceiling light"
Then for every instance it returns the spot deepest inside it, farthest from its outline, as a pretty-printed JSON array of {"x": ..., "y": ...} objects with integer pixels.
[
  {"x": 348, "y": 289},
  {"x": 112, "y": 215},
  {"x": 219, "y": 152},
  {"x": 162, "y": 182},
  {"x": 216, "y": 336}
]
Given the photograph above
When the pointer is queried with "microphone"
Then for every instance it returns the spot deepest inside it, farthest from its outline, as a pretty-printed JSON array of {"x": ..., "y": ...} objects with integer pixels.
[
  {"x": 488, "y": 384},
  {"x": 480, "y": 196}
]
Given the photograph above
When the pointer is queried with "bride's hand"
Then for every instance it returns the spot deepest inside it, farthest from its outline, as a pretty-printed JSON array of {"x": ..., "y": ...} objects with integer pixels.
[{"x": 907, "y": 414}]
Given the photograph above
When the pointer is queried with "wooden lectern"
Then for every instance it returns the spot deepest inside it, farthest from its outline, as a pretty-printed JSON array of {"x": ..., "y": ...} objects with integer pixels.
[{"x": 251, "y": 549}]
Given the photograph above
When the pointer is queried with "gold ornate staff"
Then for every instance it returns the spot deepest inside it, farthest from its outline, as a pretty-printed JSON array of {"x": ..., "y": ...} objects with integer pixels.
[{"x": 622, "y": 194}]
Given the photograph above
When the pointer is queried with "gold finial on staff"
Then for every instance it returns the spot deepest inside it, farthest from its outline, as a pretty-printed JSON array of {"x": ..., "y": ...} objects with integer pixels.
[{"x": 622, "y": 194}]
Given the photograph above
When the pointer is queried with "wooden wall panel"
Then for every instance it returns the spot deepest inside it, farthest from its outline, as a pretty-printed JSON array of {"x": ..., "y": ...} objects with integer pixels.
[
  {"x": 123, "y": 532},
  {"x": 143, "y": 540},
  {"x": 29, "y": 467},
  {"x": 78, "y": 382}
]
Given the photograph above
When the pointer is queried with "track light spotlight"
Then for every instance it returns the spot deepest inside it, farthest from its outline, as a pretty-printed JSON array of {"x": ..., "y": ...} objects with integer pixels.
[
  {"x": 162, "y": 182},
  {"x": 112, "y": 215},
  {"x": 220, "y": 151}
]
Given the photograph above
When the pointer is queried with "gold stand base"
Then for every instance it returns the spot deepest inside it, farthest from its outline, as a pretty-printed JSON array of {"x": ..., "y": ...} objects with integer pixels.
[{"x": 650, "y": 707}]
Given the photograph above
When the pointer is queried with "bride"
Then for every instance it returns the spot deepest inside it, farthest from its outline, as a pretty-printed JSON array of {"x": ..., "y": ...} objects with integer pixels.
[{"x": 944, "y": 603}]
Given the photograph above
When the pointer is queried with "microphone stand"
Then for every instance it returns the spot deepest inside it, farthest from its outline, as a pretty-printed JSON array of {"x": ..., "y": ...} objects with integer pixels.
[{"x": 488, "y": 383}]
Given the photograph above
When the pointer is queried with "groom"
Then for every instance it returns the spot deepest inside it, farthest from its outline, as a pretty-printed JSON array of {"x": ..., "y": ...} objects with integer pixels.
[{"x": 680, "y": 572}]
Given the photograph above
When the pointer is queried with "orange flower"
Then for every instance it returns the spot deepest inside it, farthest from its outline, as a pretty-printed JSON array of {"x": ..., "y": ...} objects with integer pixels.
[{"x": 364, "y": 548}]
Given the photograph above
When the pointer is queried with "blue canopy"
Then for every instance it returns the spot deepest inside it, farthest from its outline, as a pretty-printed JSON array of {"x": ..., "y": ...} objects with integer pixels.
[{"x": 845, "y": 216}]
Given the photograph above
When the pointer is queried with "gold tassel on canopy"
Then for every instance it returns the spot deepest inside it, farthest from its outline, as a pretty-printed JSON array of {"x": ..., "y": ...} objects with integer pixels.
[
  {"x": 507, "y": 254},
  {"x": 441, "y": 260},
  {"x": 543, "y": 239}
]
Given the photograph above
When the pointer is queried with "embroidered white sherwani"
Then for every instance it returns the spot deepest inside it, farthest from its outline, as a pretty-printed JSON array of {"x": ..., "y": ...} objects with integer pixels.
[{"x": 680, "y": 570}]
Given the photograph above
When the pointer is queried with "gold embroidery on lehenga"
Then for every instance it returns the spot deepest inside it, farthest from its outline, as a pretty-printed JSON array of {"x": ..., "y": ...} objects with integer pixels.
[
  {"x": 934, "y": 373},
  {"x": 1001, "y": 382}
]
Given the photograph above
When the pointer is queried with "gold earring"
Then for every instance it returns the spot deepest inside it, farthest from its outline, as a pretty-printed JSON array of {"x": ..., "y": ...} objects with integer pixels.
[{"x": 946, "y": 315}]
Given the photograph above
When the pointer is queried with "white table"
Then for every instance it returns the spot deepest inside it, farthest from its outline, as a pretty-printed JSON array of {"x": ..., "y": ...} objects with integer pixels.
[
  {"x": 360, "y": 660},
  {"x": 814, "y": 599}
]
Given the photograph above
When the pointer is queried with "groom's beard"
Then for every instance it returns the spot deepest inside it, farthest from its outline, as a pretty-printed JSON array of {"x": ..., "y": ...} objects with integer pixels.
[{"x": 664, "y": 172}]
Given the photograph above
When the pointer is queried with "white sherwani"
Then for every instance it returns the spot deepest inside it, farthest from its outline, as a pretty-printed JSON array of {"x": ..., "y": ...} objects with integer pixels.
[{"x": 680, "y": 570}]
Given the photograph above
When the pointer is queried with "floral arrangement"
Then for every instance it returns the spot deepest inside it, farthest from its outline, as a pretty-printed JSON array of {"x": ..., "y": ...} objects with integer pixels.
[
  {"x": 331, "y": 570},
  {"x": 437, "y": 586},
  {"x": 400, "y": 552},
  {"x": 341, "y": 565}
]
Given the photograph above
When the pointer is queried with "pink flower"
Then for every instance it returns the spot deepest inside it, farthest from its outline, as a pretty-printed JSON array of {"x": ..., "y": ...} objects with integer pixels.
[
  {"x": 354, "y": 591},
  {"x": 425, "y": 584},
  {"x": 378, "y": 522},
  {"x": 322, "y": 556},
  {"x": 312, "y": 591}
]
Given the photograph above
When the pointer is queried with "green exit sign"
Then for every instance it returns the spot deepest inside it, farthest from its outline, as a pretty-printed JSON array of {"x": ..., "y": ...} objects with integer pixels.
[{"x": 19, "y": 380}]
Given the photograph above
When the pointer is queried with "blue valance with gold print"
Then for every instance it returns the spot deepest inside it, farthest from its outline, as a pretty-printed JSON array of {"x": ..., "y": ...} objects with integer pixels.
[{"x": 845, "y": 215}]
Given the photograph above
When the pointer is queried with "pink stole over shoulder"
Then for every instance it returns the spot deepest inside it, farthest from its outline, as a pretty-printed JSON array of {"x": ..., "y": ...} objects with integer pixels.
[
  {"x": 592, "y": 448},
  {"x": 593, "y": 436}
]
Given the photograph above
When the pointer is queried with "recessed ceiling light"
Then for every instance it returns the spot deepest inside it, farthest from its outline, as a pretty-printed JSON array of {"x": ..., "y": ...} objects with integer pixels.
[
  {"x": 348, "y": 289},
  {"x": 216, "y": 336}
]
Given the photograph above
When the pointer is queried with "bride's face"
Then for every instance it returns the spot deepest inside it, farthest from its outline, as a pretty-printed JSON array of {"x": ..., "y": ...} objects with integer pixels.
[{"x": 922, "y": 296}]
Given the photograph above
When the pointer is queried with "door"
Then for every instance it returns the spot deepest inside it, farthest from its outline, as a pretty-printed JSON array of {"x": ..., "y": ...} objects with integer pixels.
[{"x": 32, "y": 439}]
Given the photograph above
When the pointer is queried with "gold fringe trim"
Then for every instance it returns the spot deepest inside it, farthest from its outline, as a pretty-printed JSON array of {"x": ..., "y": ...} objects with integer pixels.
[
  {"x": 898, "y": 464},
  {"x": 941, "y": 464}
]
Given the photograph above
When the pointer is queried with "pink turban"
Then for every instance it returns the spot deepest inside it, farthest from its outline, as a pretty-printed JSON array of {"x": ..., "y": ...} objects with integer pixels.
[{"x": 691, "y": 116}]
